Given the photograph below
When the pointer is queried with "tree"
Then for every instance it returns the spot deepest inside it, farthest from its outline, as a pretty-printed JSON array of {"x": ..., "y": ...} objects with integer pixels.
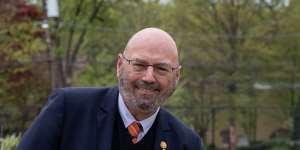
[
  {"x": 72, "y": 34},
  {"x": 296, "y": 126},
  {"x": 102, "y": 49},
  {"x": 227, "y": 46},
  {"x": 19, "y": 72}
]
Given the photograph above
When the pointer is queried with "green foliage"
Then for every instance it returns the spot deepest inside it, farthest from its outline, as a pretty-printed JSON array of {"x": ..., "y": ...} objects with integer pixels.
[
  {"x": 19, "y": 76},
  {"x": 9, "y": 142},
  {"x": 103, "y": 43},
  {"x": 226, "y": 48}
]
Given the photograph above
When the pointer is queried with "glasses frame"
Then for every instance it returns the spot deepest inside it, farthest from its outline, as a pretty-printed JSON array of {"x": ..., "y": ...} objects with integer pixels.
[{"x": 129, "y": 61}]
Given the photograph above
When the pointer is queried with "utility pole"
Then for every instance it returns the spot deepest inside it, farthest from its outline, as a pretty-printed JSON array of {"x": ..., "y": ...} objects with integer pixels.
[{"x": 50, "y": 9}]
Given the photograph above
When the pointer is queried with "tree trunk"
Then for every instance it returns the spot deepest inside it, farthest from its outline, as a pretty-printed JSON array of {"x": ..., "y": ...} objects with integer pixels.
[{"x": 296, "y": 130}]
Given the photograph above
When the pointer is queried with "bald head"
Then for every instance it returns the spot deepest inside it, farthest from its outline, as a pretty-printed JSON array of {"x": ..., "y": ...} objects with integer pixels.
[{"x": 152, "y": 41}]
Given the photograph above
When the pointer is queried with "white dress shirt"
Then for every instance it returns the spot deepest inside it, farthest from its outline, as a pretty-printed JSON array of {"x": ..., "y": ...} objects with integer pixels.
[{"x": 128, "y": 118}]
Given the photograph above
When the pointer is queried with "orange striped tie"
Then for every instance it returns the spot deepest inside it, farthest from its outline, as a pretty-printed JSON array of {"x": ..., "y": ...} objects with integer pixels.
[{"x": 134, "y": 130}]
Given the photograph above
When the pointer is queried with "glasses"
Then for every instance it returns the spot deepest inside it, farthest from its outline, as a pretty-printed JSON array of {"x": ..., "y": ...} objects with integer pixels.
[{"x": 141, "y": 66}]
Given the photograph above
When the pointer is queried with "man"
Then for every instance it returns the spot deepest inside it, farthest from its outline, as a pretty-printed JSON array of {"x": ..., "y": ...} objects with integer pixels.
[{"x": 127, "y": 117}]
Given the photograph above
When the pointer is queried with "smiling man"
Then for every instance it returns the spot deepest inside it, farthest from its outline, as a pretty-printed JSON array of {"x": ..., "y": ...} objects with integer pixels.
[{"x": 127, "y": 117}]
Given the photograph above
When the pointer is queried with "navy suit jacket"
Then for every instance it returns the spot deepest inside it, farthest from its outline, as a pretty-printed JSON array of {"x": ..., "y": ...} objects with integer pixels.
[{"x": 83, "y": 119}]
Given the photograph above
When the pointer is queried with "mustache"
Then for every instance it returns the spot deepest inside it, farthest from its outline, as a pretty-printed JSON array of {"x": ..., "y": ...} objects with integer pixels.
[{"x": 147, "y": 85}]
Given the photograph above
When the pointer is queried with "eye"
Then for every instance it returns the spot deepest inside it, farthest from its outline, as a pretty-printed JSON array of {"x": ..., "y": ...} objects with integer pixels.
[
  {"x": 163, "y": 68},
  {"x": 138, "y": 66}
]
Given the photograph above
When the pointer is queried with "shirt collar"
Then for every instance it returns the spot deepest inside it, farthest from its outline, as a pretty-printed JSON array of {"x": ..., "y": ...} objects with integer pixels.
[{"x": 128, "y": 118}]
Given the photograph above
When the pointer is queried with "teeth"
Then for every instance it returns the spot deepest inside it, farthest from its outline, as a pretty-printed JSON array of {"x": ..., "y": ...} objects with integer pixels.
[{"x": 146, "y": 90}]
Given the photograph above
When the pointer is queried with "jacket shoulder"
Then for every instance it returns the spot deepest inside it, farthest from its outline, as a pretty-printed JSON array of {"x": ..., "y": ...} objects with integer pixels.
[
  {"x": 85, "y": 97},
  {"x": 83, "y": 91}
]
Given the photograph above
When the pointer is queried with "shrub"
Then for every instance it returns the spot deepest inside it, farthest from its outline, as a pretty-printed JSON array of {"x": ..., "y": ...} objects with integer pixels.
[
  {"x": 270, "y": 145},
  {"x": 9, "y": 142}
]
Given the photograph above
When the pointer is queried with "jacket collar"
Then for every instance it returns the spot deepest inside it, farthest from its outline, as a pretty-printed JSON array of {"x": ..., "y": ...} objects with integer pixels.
[
  {"x": 105, "y": 116},
  {"x": 163, "y": 132},
  {"x": 108, "y": 102}
]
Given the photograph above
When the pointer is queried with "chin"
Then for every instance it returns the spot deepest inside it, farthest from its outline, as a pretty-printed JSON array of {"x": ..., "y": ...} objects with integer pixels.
[
  {"x": 146, "y": 107},
  {"x": 147, "y": 110}
]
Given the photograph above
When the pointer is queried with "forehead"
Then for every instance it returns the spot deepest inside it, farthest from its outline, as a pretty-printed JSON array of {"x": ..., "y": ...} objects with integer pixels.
[
  {"x": 153, "y": 47},
  {"x": 152, "y": 54}
]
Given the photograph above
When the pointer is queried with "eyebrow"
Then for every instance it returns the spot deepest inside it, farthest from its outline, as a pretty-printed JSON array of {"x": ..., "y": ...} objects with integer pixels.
[{"x": 141, "y": 60}]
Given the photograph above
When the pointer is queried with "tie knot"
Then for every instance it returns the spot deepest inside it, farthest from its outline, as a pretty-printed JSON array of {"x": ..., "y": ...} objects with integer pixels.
[{"x": 134, "y": 130}]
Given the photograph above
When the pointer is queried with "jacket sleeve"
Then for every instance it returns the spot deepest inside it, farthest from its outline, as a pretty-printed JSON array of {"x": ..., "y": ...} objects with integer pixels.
[
  {"x": 198, "y": 143},
  {"x": 45, "y": 131},
  {"x": 194, "y": 142}
]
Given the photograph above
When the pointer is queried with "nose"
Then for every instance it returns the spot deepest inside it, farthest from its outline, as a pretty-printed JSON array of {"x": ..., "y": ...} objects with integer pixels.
[{"x": 149, "y": 75}]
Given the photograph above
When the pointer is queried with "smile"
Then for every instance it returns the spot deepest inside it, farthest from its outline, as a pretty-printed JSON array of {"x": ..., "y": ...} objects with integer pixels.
[{"x": 148, "y": 91}]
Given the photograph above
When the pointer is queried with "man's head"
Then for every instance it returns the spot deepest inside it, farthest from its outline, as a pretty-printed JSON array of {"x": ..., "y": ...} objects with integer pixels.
[{"x": 148, "y": 71}]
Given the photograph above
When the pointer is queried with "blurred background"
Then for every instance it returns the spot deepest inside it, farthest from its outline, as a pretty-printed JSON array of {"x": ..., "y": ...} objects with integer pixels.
[{"x": 240, "y": 79}]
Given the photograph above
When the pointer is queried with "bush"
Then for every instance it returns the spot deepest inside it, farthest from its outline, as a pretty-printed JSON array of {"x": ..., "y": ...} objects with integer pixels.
[
  {"x": 269, "y": 145},
  {"x": 9, "y": 142}
]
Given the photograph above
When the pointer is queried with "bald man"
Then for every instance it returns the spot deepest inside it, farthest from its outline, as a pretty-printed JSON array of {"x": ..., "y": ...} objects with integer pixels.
[{"x": 127, "y": 117}]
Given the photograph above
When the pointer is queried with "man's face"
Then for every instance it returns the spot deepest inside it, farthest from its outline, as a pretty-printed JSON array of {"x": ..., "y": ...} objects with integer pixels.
[{"x": 145, "y": 90}]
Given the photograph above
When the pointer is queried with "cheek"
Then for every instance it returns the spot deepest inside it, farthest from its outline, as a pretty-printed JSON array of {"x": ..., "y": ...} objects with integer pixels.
[
  {"x": 128, "y": 75},
  {"x": 165, "y": 84}
]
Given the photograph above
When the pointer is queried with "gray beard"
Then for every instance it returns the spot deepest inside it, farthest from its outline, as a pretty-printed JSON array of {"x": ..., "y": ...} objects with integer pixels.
[
  {"x": 147, "y": 104},
  {"x": 142, "y": 103}
]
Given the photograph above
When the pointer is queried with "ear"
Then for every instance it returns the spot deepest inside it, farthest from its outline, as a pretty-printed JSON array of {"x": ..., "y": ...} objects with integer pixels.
[
  {"x": 178, "y": 74},
  {"x": 119, "y": 64}
]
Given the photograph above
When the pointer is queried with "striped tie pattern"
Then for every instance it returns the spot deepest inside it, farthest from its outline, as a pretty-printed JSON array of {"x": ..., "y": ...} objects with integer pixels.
[{"x": 134, "y": 130}]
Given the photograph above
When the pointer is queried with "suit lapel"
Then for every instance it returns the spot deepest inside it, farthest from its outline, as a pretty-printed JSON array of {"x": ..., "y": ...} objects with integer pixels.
[
  {"x": 105, "y": 117},
  {"x": 164, "y": 133}
]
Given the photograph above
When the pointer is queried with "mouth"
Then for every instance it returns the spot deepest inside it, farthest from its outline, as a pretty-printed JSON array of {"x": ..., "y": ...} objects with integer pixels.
[
  {"x": 147, "y": 91},
  {"x": 146, "y": 88}
]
